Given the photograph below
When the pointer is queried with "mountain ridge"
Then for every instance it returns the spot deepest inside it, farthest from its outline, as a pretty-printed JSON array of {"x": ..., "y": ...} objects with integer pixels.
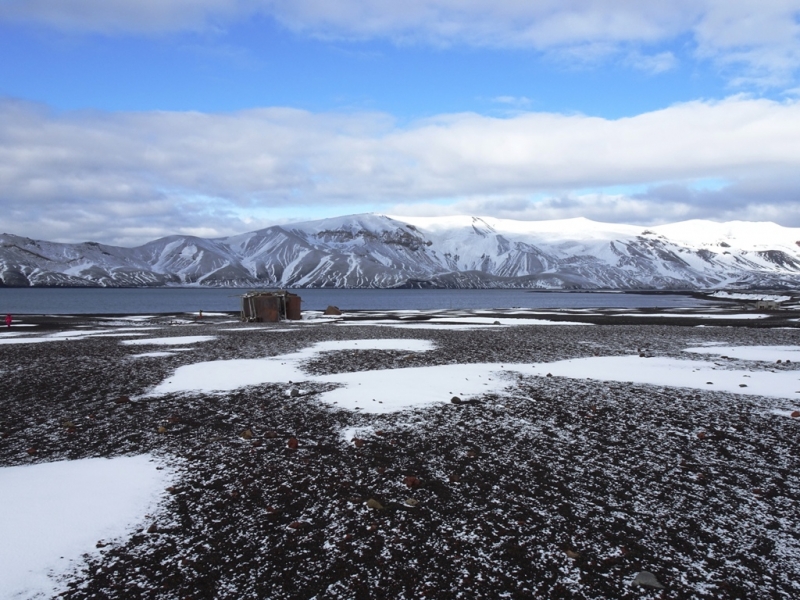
[{"x": 381, "y": 251}]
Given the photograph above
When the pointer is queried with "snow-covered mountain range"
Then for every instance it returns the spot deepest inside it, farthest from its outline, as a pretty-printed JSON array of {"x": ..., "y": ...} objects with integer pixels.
[{"x": 373, "y": 250}]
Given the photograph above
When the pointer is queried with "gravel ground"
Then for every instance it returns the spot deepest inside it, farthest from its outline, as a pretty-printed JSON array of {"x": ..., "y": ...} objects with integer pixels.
[{"x": 556, "y": 488}]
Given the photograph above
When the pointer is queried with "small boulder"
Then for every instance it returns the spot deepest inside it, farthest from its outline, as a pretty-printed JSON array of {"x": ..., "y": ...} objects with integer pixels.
[
  {"x": 646, "y": 579},
  {"x": 412, "y": 501},
  {"x": 332, "y": 310},
  {"x": 795, "y": 414},
  {"x": 247, "y": 434},
  {"x": 292, "y": 443},
  {"x": 374, "y": 504},
  {"x": 455, "y": 400}
]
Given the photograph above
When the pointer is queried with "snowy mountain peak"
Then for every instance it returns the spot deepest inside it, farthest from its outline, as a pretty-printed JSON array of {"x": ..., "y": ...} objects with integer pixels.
[{"x": 376, "y": 250}]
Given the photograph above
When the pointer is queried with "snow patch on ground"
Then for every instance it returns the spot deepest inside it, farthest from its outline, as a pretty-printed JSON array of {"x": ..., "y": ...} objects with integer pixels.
[
  {"x": 762, "y": 353},
  {"x": 671, "y": 372},
  {"x": 77, "y": 334},
  {"x": 227, "y": 375},
  {"x": 750, "y": 297},
  {"x": 54, "y": 513},
  {"x": 264, "y": 329},
  {"x": 696, "y": 315},
  {"x": 158, "y": 354},
  {"x": 170, "y": 341},
  {"x": 459, "y": 323},
  {"x": 391, "y": 390}
]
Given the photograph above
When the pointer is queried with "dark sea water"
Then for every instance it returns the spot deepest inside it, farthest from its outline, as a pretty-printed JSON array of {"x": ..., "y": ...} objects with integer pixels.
[{"x": 42, "y": 301}]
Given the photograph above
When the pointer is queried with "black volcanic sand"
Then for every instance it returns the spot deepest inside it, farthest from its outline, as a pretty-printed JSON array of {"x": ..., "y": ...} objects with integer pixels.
[{"x": 560, "y": 488}]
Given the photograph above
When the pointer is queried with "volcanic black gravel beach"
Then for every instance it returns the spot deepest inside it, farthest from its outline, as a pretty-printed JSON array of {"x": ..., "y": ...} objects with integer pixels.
[{"x": 555, "y": 488}]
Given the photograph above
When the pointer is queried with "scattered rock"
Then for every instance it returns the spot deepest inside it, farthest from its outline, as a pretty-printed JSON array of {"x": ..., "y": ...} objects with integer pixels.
[
  {"x": 455, "y": 400},
  {"x": 122, "y": 400},
  {"x": 412, "y": 501},
  {"x": 454, "y": 478},
  {"x": 32, "y": 451},
  {"x": 701, "y": 435},
  {"x": 247, "y": 434},
  {"x": 742, "y": 385},
  {"x": 292, "y": 443},
  {"x": 795, "y": 414},
  {"x": 332, "y": 310},
  {"x": 496, "y": 323},
  {"x": 153, "y": 528},
  {"x": 573, "y": 555},
  {"x": 646, "y": 579},
  {"x": 412, "y": 482},
  {"x": 358, "y": 442},
  {"x": 549, "y": 375},
  {"x": 294, "y": 393},
  {"x": 372, "y": 503},
  {"x": 298, "y": 525},
  {"x": 162, "y": 429}
]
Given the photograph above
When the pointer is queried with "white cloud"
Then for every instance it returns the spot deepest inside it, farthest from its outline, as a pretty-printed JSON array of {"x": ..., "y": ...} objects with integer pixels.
[
  {"x": 133, "y": 176},
  {"x": 114, "y": 16},
  {"x": 513, "y": 101},
  {"x": 652, "y": 63},
  {"x": 753, "y": 40}
]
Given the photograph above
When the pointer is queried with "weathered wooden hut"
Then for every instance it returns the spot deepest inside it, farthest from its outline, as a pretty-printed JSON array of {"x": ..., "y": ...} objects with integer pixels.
[{"x": 271, "y": 307}]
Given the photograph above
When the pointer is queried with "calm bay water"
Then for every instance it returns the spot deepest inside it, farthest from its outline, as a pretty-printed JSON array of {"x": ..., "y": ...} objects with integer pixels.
[{"x": 40, "y": 301}]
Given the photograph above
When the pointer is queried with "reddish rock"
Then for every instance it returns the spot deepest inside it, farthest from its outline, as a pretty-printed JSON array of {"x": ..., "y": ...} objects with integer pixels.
[
  {"x": 701, "y": 435},
  {"x": 122, "y": 400},
  {"x": 412, "y": 482},
  {"x": 292, "y": 443},
  {"x": 795, "y": 414},
  {"x": 358, "y": 442},
  {"x": 32, "y": 451}
]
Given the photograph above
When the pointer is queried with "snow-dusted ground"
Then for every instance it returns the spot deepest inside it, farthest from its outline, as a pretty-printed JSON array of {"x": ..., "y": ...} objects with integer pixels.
[
  {"x": 14, "y": 338},
  {"x": 574, "y": 458},
  {"x": 54, "y": 513},
  {"x": 170, "y": 341}
]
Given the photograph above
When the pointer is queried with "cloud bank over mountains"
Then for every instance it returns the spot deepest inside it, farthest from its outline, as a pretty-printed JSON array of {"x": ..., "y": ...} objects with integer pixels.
[{"x": 126, "y": 177}]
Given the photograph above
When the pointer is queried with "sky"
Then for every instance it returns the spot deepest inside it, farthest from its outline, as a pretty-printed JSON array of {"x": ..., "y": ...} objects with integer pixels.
[{"x": 127, "y": 120}]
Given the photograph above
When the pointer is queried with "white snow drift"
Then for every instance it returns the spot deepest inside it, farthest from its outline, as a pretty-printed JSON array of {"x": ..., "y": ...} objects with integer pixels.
[{"x": 54, "y": 513}]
